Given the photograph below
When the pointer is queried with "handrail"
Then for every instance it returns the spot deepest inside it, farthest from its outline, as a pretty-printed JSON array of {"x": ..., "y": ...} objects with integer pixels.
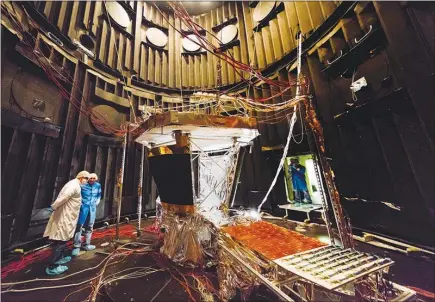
[
  {"x": 338, "y": 58},
  {"x": 363, "y": 37}
]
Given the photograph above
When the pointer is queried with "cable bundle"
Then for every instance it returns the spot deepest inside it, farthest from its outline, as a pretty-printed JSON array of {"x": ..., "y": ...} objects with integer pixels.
[
  {"x": 275, "y": 113},
  {"x": 24, "y": 262},
  {"x": 202, "y": 286},
  {"x": 184, "y": 16},
  {"x": 126, "y": 231},
  {"x": 238, "y": 66}
]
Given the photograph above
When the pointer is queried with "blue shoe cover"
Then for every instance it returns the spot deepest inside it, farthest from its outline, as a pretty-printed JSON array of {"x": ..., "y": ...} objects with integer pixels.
[
  {"x": 89, "y": 247},
  {"x": 57, "y": 270},
  {"x": 64, "y": 260},
  {"x": 75, "y": 251}
]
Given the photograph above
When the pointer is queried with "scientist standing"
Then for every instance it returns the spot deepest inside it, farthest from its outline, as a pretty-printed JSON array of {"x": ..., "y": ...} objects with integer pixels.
[
  {"x": 63, "y": 220},
  {"x": 299, "y": 182},
  {"x": 91, "y": 196}
]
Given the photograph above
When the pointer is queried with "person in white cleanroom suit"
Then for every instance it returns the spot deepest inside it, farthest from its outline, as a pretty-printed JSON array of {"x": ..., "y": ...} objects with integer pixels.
[
  {"x": 91, "y": 197},
  {"x": 63, "y": 220}
]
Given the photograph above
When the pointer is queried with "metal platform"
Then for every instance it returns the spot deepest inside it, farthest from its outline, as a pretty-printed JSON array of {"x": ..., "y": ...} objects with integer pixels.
[
  {"x": 287, "y": 277},
  {"x": 207, "y": 132},
  {"x": 306, "y": 208}
]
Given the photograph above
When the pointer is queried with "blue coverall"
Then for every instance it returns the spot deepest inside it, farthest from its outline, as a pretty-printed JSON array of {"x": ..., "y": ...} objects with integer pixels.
[
  {"x": 299, "y": 183},
  {"x": 91, "y": 196}
]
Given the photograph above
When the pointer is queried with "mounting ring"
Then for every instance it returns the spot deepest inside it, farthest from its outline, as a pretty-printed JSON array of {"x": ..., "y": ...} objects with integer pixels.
[{"x": 55, "y": 39}]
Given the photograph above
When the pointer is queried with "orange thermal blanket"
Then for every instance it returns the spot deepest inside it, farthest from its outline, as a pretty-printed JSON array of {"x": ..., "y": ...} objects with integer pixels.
[{"x": 270, "y": 240}]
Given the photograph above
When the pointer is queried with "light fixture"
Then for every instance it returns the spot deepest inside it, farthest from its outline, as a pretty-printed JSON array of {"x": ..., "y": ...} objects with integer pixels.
[{"x": 253, "y": 214}]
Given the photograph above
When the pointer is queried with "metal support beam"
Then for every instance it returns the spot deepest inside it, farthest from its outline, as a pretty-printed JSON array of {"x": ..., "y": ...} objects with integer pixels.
[
  {"x": 231, "y": 177},
  {"x": 139, "y": 190},
  {"x": 120, "y": 184},
  {"x": 259, "y": 276},
  {"x": 238, "y": 172}
]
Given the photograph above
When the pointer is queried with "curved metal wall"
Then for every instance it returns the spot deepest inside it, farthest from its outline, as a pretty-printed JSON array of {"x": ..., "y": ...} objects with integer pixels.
[
  {"x": 126, "y": 49},
  {"x": 381, "y": 147}
]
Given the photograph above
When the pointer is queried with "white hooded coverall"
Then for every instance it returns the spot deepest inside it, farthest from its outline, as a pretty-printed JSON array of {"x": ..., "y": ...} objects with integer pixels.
[{"x": 63, "y": 220}]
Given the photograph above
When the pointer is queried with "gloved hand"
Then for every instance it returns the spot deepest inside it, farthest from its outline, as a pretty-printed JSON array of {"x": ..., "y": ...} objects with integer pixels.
[{"x": 50, "y": 209}]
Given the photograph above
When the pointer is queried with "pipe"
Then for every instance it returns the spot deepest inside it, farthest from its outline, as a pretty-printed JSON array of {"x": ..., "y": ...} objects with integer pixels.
[
  {"x": 238, "y": 172},
  {"x": 291, "y": 122},
  {"x": 231, "y": 173},
  {"x": 120, "y": 184},
  {"x": 139, "y": 190},
  {"x": 192, "y": 171},
  {"x": 299, "y": 69}
]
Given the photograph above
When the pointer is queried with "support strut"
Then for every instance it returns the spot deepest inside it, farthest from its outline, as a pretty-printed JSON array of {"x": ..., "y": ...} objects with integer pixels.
[
  {"x": 139, "y": 190},
  {"x": 344, "y": 229},
  {"x": 120, "y": 184}
]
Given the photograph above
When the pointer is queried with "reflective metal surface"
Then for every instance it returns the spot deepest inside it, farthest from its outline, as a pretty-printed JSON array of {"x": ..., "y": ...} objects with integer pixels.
[
  {"x": 228, "y": 33},
  {"x": 263, "y": 9},
  {"x": 181, "y": 139},
  {"x": 156, "y": 37},
  {"x": 190, "y": 46},
  {"x": 110, "y": 114},
  {"x": 117, "y": 13},
  {"x": 178, "y": 209},
  {"x": 207, "y": 132},
  {"x": 168, "y": 150},
  {"x": 163, "y": 150}
]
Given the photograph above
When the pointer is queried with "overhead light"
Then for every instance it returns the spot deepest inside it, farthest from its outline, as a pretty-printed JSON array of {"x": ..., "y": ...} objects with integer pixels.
[{"x": 84, "y": 49}]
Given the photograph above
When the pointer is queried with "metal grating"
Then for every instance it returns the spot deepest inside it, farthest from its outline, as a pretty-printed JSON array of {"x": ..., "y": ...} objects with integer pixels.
[{"x": 332, "y": 267}]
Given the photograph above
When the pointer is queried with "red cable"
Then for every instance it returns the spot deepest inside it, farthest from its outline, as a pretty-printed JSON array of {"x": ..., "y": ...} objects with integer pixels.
[
  {"x": 25, "y": 260},
  {"x": 422, "y": 292},
  {"x": 187, "y": 20}
]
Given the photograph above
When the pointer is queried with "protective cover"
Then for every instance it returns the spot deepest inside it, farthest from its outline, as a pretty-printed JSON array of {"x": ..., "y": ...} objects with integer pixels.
[
  {"x": 189, "y": 240},
  {"x": 232, "y": 276},
  {"x": 270, "y": 240},
  {"x": 213, "y": 180}
]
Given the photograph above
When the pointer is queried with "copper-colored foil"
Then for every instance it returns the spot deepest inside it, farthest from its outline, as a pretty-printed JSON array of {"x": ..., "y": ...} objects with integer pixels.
[
  {"x": 270, "y": 240},
  {"x": 178, "y": 209}
]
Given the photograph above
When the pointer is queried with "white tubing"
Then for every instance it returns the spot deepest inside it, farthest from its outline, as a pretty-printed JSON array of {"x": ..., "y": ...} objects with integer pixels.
[
  {"x": 291, "y": 122},
  {"x": 284, "y": 155}
]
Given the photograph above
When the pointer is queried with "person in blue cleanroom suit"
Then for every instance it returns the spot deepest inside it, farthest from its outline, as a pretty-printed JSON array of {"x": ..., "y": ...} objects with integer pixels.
[
  {"x": 91, "y": 196},
  {"x": 298, "y": 180}
]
